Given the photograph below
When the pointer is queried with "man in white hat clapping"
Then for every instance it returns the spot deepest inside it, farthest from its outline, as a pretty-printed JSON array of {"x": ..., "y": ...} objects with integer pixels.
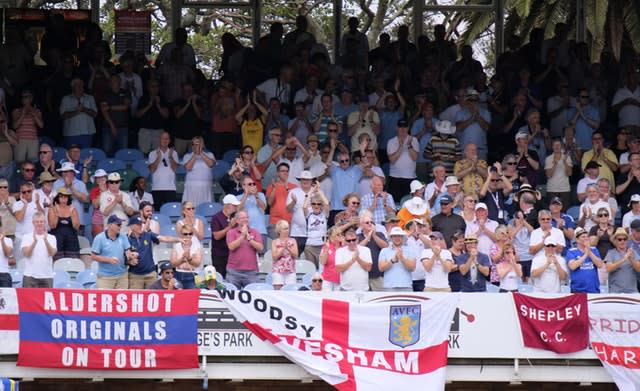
[{"x": 68, "y": 180}]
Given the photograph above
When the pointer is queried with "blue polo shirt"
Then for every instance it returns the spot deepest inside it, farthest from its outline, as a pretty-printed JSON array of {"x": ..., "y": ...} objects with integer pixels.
[
  {"x": 144, "y": 247},
  {"x": 102, "y": 245},
  {"x": 465, "y": 280},
  {"x": 585, "y": 278},
  {"x": 397, "y": 276}
]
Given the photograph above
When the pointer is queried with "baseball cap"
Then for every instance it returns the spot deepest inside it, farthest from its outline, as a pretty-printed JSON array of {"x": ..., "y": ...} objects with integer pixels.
[
  {"x": 521, "y": 134},
  {"x": 230, "y": 199},
  {"x": 402, "y": 123},
  {"x": 113, "y": 219},
  {"x": 210, "y": 273},
  {"x": 446, "y": 199},
  {"x": 166, "y": 266},
  {"x": 397, "y": 231},
  {"x": 135, "y": 220},
  {"x": 436, "y": 235},
  {"x": 549, "y": 240},
  {"x": 481, "y": 205},
  {"x": 556, "y": 200}
]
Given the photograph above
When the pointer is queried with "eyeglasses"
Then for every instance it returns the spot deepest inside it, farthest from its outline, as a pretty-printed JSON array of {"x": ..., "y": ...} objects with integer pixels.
[
  {"x": 621, "y": 239},
  {"x": 187, "y": 233},
  {"x": 29, "y": 169},
  {"x": 512, "y": 163},
  {"x": 118, "y": 224},
  {"x": 248, "y": 152},
  {"x": 367, "y": 222},
  {"x": 189, "y": 208},
  {"x": 344, "y": 161},
  {"x": 351, "y": 240},
  {"x": 545, "y": 219},
  {"x": 26, "y": 191},
  {"x": 113, "y": 182},
  {"x": 44, "y": 152},
  {"x": 316, "y": 280},
  {"x": 316, "y": 204},
  {"x": 332, "y": 130},
  {"x": 603, "y": 215},
  {"x": 4, "y": 187},
  {"x": 355, "y": 202},
  {"x": 251, "y": 184}
]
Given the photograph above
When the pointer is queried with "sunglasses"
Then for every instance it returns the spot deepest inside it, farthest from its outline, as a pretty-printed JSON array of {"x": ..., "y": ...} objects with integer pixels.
[
  {"x": 603, "y": 215},
  {"x": 332, "y": 130},
  {"x": 367, "y": 222},
  {"x": 512, "y": 163},
  {"x": 187, "y": 233},
  {"x": 113, "y": 182},
  {"x": 355, "y": 203},
  {"x": 189, "y": 208},
  {"x": 316, "y": 280},
  {"x": 26, "y": 191},
  {"x": 29, "y": 169},
  {"x": 545, "y": 219},
  {"x": 4, "y": 187},
  {"x": 351, "y": 240},
  {"x": 251, "y": 184},
  {"x": 316, "y": 204},
  {"x": 344, "y": 161},
  {"x": 248, "y": 152},
  {"x": 118, "y": 224},
  {"x": 621, "y": 239},
  {"x": 44, "y": 152}
]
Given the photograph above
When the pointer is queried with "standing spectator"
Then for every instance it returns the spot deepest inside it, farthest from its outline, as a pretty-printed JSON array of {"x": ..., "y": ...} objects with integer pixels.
[
  {"x": 73, "y": 156},
  {"x": 187, "y": 52},
  {"x": 254, "y": 203},
  {"x": 457, "y": 250},
  {"x": 546, "y": 229},
  {"x": 44, "y": 194},
  {"x": 345, "y": 177},
  {"x": 38, "y": 248},
  {"x": 295, "y": 205},
  {"x": 446, "y": 222},
  {"x": 443, "y": 148},
  {"x": 113, "y": 201},
  {"x": 46, "y": 162},
  {"x": 558, "y": 168},
  {"x": 63, "y": 224},
  {"x": 495, "y": 191},
  {"x": 325, "y": 116},
  {"x": 452, "y": 186},
  {"x": 589, "y": 209},
  {"x": 403, "y": 153},
  {"x": 244, "y": 244},
  {"x": 629, "y": 183},
  {"x": 557, "y": 108},
  {"x": 187, "y": 114},
  {"x": 438, "y": 263},
  {"x": 78, "y": 111},
  {"x": 27, "y": 174},
  {"x": 277, "y": 193},
  {"x": 435, "y": 188},
  {"x": 397, "y": 262},
  {"x": 7, "y": 219},
  {"x": 548, "y": 269},
  {"x": 97, "y": 219},
  {"x": 68, "y": 180},
  {"x": 137, "y": 192},
  {"x": 354, "y": 46},
  {"x": 189, "y": 218},
  {"x": 521, "y": 228},
  {"x": 316, "y": 210},
  {"x": 591, "y": 176},
  {"x": 152, "y": 113},
  {"x": 379, "y": 202},
  {"x": 423, "y": 129},
  {"x": 527, "y": 159},
  {"x": 474, "y": 267},
  {"x": 482, "y": 228},
  {"x": 363, "y": 121},
  {"x": 186, "y": 257},
  {"x": 353, "y": 262},
  {"x": 472, "y": 122},
  {"x": 375, "y": 242},
  {"x": 23, "y": 210},
  {"x": 251, "y": 119},
  {"x": 604, "y": 188},
  {"x": 471, "y": 170},
  {"x": 562, "y": 221},
  {"x": 198, "y": 163},
  {"x": 26, "y": 122},
  {"x": 601, "y": 233},
  {"x": 509, "y": 270},
  {"x": 626, "y": 102},
  {"x": 633, "y": 214},
  {"x": 265, "y": 157},
  {"x": 163, "y": 163},
  {"x": 584, "y": 117},
  {"x": 142, "y": 270},
  {"x": 149, "y": 224},
  {"x": 584, "y": 261},
  {"x": 111, "y": 249},
  {"x": 496, "y": 254},
  {"x": 603, "y": 156},
  {"x": 116, "y": 109},
  {"x": 330, "y": 276},
  {"x": 6, "y": 259},
  {"x": 7, "y": 140},
  {"x": 622, "y": 263},
  {"x": 221, "y": 223},
  {"x": 284, "y": 251}
]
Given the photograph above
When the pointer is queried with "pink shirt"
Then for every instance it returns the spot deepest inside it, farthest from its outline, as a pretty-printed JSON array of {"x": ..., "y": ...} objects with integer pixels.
[
  {"x": 244, "y": 257},
  {"x": 329, "y": 273}
]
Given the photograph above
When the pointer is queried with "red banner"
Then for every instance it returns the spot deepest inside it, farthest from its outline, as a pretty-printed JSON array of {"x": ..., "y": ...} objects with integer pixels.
[
  {"x": 560, "y": 324},
  {"x": 108, "y": 329}
]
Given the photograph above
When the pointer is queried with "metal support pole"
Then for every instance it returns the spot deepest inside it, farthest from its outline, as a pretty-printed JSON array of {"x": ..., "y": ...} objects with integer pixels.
[
  {"x": 581, "y": 23},
  {"x": 257, "y": 21},
  {"x": 176, "y": 16},
  {"x": 95, "y": 11},
  {"x": 418, "y": 17},
  {"x": 499, "y": 33},
  {"x": 337, "y": 29}
]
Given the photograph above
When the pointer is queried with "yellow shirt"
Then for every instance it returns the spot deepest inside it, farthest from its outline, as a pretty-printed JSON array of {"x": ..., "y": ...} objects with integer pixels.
[
  {"x": 472, "y": 182},
  {"x": 252, "y": 133},
  {"x": 605, "y": 171}
]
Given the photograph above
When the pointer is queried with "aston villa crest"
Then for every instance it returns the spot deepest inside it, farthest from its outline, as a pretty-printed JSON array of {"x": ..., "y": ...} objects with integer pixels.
[{"x": 404, "y": 324}]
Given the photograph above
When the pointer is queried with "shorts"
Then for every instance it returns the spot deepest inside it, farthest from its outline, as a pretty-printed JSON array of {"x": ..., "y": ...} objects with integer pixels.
[
  {"x": 526, "y": 268},
  {"x": 283, "y": 279}
]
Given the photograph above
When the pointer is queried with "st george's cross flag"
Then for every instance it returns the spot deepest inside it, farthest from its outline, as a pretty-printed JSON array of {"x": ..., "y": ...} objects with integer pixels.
[{"x": 354, "y": 346}]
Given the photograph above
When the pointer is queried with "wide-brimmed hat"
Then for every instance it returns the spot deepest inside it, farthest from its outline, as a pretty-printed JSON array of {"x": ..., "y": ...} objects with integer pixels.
[
  {"x": 306, "y": 174},
  {"x": 114, "y": 177},
  {"x": 230, "y": 199},
  {"x": 46, "y": 177},
  {"x": 579, "y": 232},
  {"x": 451, "y": 180},
  {"x": 416, "y": 206},
  {"x": 391, "y": 217},
  {"x": 98, "y": 174},
  {"x": 415, "y": 185},
  {"x": 527, "y": 188},
  {"x": 397, "y": 231},
  {"x": 67, "y": 166},
  {"x": 445, "y": 127},
  {"x": 619, "y": 232}
]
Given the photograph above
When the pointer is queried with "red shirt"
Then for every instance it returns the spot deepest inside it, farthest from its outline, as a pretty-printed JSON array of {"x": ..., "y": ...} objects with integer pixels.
[
  {"x": 243, "y": 258},
  {"x": 278, "y": 211}
]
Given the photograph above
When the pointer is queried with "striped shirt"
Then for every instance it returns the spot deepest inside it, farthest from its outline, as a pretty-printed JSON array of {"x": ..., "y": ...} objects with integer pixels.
[
  {"x": 28, "y": 130},
  {"x": 445, "y": 146}
]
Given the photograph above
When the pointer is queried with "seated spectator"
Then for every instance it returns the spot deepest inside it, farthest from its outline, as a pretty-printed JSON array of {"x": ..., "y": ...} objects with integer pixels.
[
  {"x": 44, "y": 194},
  {"x": 437, "y": 187},
  {"x": 284, "y": 252},
  {"x": 142, "y": 269},
  {"x": 447, "y": 222},
  {"x": 548, "y": 268},
  {"x": 68, "y": 180},
  {"x": 482, "y": 228},
  {"x": 137, "y": 192},
  {"x": 474, "y": 267},
  {"x": 584, "y": 261},
  {"x": 562, "y": 221},
  {"x": 558, "y": 168},
  {"x": 509, "y": 270},
  {"x": 316, "y": 210},
  {"x": 397, "y": 262},
  {"x": 378, "y": 201},
  {"x": 452, "y": 190},
  {"x": 244, "y": 244},
  {"x": 438, "y": 263},
  {"x": 414, "y": 208},
  {"x": 591, "y": 176},
  {"x": 330, "y": 276},
  {"x": 23, "y": 210},
  {"x": 7, "y": 219},
  {"x": 189, "y": 218},
  {"x": 604, "y": 188},
  {"x": 211, "y": 280},
  {"x": 198, "y": 163},
  {"x": 166, "y": 280},
  {"x": 6, "y": 259},
  {"x": 27, "y": 174},
  {"x": 38, "y": 249},
  {"x": 348, "y": 216},
  {"x": 111, "y": 249},
  {"x": 186, "y": 257},
  {"x": 26, "y": 119},
  {"x": 603, "y": 156},
  {"x": 115, "y": 202},
  {"x": 589, "y": 209},
  {"x": 64, "y": 223},
  {"x": 163, "y": 163},
  {"x": 600, "y": 234},
  {"x": 353, "y": 262},
  {"x": 633, "y": 214},
  {"x": 622, "y": 264}
]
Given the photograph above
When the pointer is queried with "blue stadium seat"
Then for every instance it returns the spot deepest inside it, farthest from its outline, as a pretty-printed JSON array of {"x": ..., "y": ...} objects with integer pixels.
[
  {"x": 293, "y": 287},
  {"x": 220, "y": 169},
  {"x": 140, "y": 166},
  {"x": 208, "y": 209},
  {"x": 111, "y": 165},
  {"x": 230, "y": 156},
  {"x": 258, "y": 286},
  {"x": 168, "y": 230},
  {"x": 574, "y": 212},
  {"x": 87, "y": 278},
  {"x": 173, "y": 210},
  {"x": 161, "y": 219},
  {"x": 16, "y": 278},
  {"x": 98, "y": 154},
  {"x": 60, "y": 276},
  {"x": 59, "y": 153},
  {"x": 229, "y": 286},
  {"x": 129, "y": 154},
  {"x": 68, "y": 285}
]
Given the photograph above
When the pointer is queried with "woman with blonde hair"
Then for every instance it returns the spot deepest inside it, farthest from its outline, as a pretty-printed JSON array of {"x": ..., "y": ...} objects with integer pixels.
[
  {"x": 509, "y": 270},
  {"x": 330, "y": 276},
  {"x": 199, "y": 179},
  {"x": 497, "y": 252},
  {"x": 189, "y": 218},
  {"x": 349, "y": 216},
  {"x": 186, "y": 257},
  {"x": 284, "y": 251}
]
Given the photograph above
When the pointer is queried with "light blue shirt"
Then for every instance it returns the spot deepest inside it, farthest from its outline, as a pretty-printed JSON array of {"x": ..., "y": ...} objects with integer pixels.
[
  {"x": 388, "y": 125},
  {"x": 583, "y": 129},
  {"x": 256, "y": 215},
  {"x": 415, "y": 129},
  {"x": 344, "y": 182},
  {"x": 79, "y": 186},
  {"x": 106, "y": 247},
  {"x": 81, "y": 124},
  {"x": 474, "y": 132},
  {"x": 397, "y": 276}
]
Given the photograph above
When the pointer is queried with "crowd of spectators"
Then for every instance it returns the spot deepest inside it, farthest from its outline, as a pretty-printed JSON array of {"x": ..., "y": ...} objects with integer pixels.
[{"x": 402, "y": 167}]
